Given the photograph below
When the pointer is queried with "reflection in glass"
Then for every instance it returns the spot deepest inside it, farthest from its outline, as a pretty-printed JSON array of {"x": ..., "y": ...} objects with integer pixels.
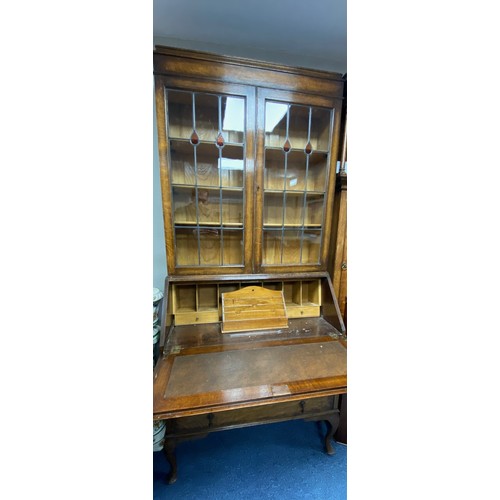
[
  {"x": 180, "y": 114},
  {"x": 273, "y": 209},
  {"x": 196, "y": 206},
  {"x": 316, "y": 175},
  {"x": 274, "y": 169},
  {"x": 272, "y": 247},
  {"x": 294, "y": 204},
  {"x": 291, "y": 247},
  {"x": 210, "y": 247},
  {"x": 207, "y": 116},
  {"x": 186, "y": 246},
  {"x": 298, "y": 129},
  {"x": 232, "y": 207},
  {"x": 231, "y": 165},
  {"x": 182, "y": 163},
  {"x": 275, "y": 124},
  {"x": 311, "y": 246},
  {"x": 233, "y": 121},
  {"x": 320, "y": 128},
  {"x": 314, "y": 210},
  {"x": 233, "y": 247},
  {"x": 296, "y": 171}
]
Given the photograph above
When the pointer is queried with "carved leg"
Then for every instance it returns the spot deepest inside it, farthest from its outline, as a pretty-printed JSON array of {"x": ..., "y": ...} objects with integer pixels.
[
  {"x": 332, "y": 422},
  {"x": 169, "y": 450}
]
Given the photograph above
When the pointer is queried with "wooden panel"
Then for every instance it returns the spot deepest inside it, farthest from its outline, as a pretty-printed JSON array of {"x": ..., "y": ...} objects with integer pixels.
[
  {"x": 208, "y": 337},
  {"x": 191, "y": 318},
  {"x": 240, "y": 375},
  {"x": 249, "y": 416},
  {"x": 245, "y": 71},
  {"x": 302, "y": 311},
  {"x": 253, "y": 308}
]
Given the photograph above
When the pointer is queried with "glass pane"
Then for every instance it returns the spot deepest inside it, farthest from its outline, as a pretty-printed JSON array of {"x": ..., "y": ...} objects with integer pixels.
[
  {"x": 207, "y": 163},
  {"x": 298, "y": 126},
  {"x": 180, "y": 114},
  {"x": 314, "y": 210},
  {"x": 233, "y": 247},
  {"x": 275, "y": 124},
  {"x": 208, "y": 206},
  {"x": 233, "y": 119},
  {"x": 273, "y": 209},
  {"x": 232, "y": 207},
  {"x": 311, "y": 246},
  {"x": 231, "y": 166},
  {"x": 186, "y": 246},
  {"x": 294, "y": 209},
  {"x": 320, "y": 128},
  {"x": 210, "y": 247},
  {"x": 296, "y": 171},
  {"x": 271, "y": 253},
  {"x": 207, "y": 116},
  {"x": 182, "y": 162},
  {"x": 274, "y": 170},
  {"x": 316, "y": 174},
  {"x": 187, "y": 211},
  {"x": 291, "y": 247},
  {"x": 184, "y": 206},
  {"x": 207, "y": 158}
]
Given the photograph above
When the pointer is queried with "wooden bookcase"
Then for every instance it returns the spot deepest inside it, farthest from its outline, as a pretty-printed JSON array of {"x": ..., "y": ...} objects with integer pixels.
[{"x": 247, "y": 152}]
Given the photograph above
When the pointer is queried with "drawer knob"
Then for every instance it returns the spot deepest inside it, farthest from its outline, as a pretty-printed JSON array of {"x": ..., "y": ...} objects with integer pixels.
[
  {"x": 302, "y": 406},
  {"x": 210, "y": 417}
]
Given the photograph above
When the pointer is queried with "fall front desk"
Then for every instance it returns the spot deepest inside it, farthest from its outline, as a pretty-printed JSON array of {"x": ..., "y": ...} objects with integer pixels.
[
  {"x": 208, "y": 381},
  {"x": 248, "y": 152}
]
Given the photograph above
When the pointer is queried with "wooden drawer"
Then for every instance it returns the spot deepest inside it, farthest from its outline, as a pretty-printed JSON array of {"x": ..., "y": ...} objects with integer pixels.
[
  {"x": 302, "y": 311},
  {"x": 194, "y": 317},
  {"x": 248, "y": 416}
]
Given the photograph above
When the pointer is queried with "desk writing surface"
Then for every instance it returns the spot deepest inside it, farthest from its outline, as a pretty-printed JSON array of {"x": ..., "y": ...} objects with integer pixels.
[{"x": 249, "y": 369}]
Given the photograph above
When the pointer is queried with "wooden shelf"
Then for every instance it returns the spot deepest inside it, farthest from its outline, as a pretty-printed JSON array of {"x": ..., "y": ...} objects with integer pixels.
[
  {"x": 210, "y": 224},
  {"x": 229, "y": 189},
  {"x": 278, "y": 224},
  {"x": 180, "y": 146},
  {"x": 293, "y": 192}
]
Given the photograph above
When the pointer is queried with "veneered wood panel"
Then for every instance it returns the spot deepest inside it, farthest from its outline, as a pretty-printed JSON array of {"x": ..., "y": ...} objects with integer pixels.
[{"x": 248, "y": 72}]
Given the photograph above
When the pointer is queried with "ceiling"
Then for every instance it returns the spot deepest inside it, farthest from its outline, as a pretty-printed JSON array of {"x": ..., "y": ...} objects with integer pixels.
[{"x": 310, "y": 33}]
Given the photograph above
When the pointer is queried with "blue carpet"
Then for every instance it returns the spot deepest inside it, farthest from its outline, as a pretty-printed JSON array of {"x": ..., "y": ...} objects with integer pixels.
[{"x": 280, "y": 461}]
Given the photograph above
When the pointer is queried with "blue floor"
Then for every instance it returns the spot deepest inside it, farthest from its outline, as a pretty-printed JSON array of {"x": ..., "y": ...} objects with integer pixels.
[{"x": 283, "y": 460}]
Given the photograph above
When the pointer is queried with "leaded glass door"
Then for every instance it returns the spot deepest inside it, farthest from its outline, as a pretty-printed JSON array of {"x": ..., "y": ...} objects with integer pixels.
[
  {"x": 208, "y": 186},
  {"x": 294, "y": 183}
]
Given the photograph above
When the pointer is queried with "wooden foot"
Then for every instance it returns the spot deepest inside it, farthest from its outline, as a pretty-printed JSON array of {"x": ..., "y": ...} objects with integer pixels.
[
  {"x": 169, "y": 450},
  {"x": 332, "y": 422}
]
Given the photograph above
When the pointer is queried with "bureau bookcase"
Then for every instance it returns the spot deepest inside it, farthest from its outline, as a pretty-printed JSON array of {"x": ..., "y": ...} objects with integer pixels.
[{"x": 248, "y": 154}]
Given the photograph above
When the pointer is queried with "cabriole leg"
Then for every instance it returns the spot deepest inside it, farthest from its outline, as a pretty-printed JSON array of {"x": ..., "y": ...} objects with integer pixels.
[
  {"x": 169, "y": 450},
  {"x": 332, "y": 422}
]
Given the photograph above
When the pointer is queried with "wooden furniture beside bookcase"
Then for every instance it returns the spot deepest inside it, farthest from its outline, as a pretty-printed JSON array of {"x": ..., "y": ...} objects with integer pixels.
[{"x": 247, "y": 162}]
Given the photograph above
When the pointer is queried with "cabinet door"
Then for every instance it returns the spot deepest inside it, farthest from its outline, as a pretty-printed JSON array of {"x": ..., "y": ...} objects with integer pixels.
[
  {"x": 296, "y": 157},
  {"x": 206, "y": 160}
]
